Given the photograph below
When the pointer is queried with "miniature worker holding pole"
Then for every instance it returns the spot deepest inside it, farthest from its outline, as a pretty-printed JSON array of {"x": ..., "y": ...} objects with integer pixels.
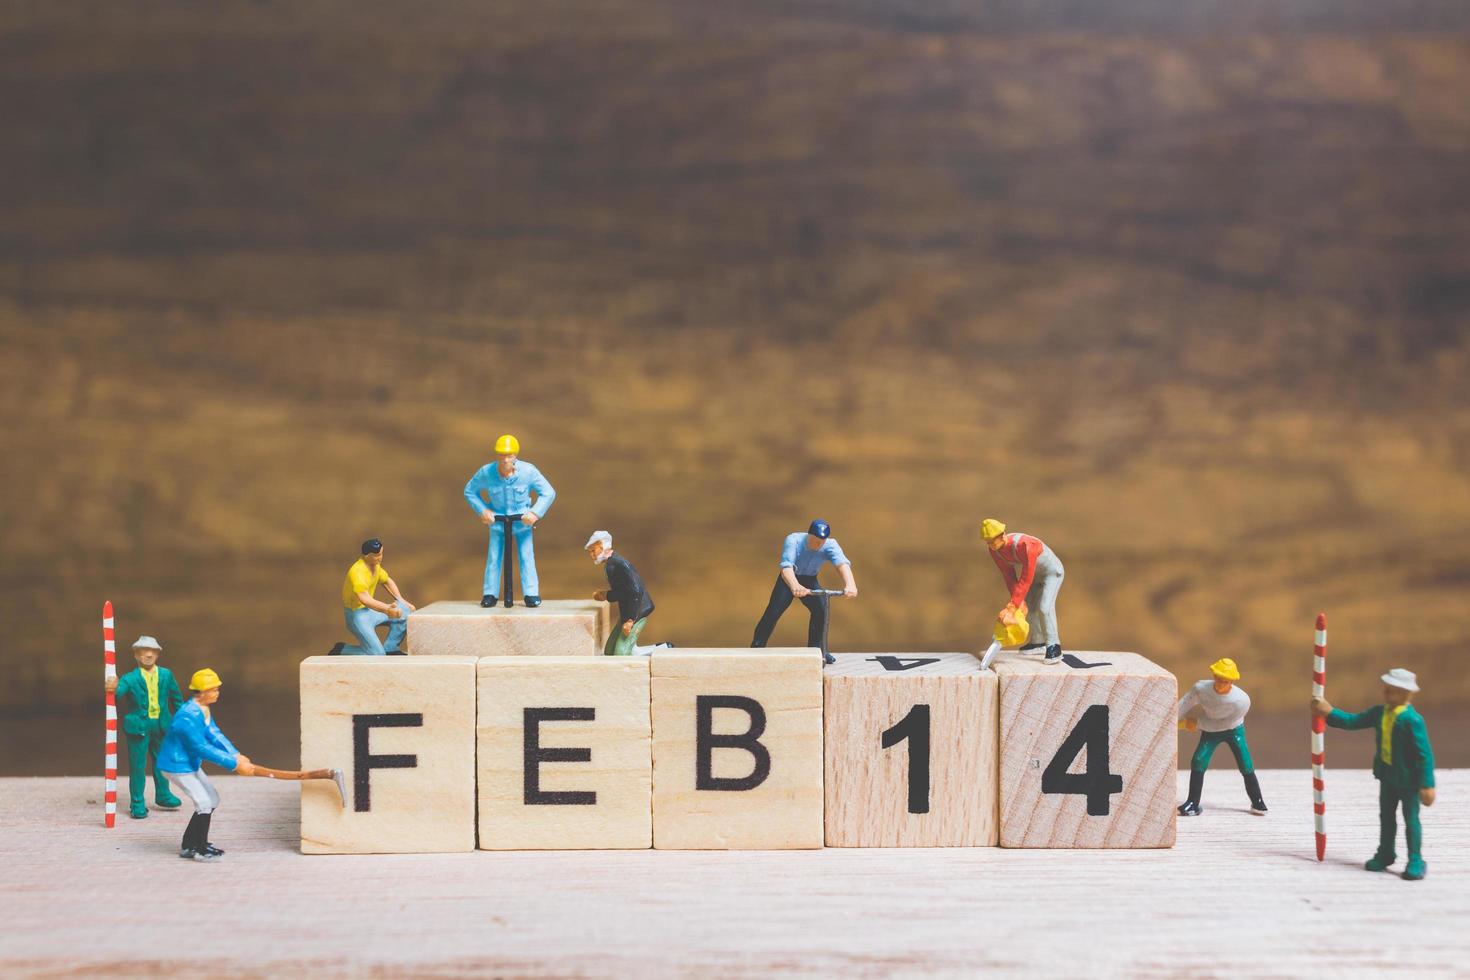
[
  {"x": 1403, "y": 764},
  {"x": 1217, "y": 707},
  {"x": 508, "y": 486},
  {"x": 802, "y": 556},
  {"x": 155, "y": 696},
  {"x": 193, "y": 739},
  {"x": 364, "y": 613},
  {"x": 626, "y": 588},
  {"x": 1033, "y": 575}
]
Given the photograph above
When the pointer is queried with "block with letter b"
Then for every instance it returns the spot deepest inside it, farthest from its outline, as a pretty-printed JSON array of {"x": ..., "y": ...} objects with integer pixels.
[
  {"x": 1088, "y": 751},
  {"x": 737, "y": 748},
  {"x": 565, "y": 759},
  {"x": 911, "y": 750},
  {"x": 402, "y": 730}
]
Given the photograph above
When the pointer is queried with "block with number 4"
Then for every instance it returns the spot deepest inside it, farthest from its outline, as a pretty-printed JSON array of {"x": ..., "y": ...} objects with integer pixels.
[
  {"x": 911, "y": 750},
  {"x": 1087, "y": 751}
]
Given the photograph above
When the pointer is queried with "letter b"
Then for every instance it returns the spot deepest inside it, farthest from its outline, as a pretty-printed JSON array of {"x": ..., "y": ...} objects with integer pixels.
[{"x": 706, "y": 741}]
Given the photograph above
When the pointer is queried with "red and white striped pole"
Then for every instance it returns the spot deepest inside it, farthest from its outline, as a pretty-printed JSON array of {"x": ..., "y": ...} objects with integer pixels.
[
  {"x": 109, "y": 672},
  {"x": 1319, "y": 729}
]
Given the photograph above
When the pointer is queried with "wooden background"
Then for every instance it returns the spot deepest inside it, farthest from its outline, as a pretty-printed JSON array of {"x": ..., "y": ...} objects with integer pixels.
[{"x": 1183, "y": 288}]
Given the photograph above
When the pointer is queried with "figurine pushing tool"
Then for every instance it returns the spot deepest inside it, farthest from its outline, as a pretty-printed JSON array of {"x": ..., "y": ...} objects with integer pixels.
[
  {"x": 364, "y": 613},
  {"x": 155, "y": 696},
  {"x": 518, "y": 496},
  {"x": 802, "y": 556},
  {"x": 1403, "y": 764},
  {"x": 626, "y": 588},
  {"x": 1033, "y": 575},
  {"x": 1217, "y": 707}
]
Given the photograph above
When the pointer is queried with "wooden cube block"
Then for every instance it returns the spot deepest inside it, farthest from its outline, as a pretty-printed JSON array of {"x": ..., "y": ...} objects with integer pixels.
[
  {"x": 565, "y": 759},
  {"x": 737, "y": 748},
  {"x": 402, "y": 730},
  {"x": 556, "y": 628},
  {"x": 1087, "y": 751},
  {"x": 912, "y": 750}
]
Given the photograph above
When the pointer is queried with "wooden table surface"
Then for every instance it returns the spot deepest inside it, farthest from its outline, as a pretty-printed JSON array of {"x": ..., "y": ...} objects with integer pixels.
[{"x": 1239, "y": 895}]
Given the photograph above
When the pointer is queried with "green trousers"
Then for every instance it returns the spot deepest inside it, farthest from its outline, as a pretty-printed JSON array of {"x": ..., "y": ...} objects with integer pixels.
[
  {"x": 619, "y": 645},
  {"x": 1390, "y": 797},
  {"x": 143, "y": 756},
  {"x": 1235, "y": 738}
]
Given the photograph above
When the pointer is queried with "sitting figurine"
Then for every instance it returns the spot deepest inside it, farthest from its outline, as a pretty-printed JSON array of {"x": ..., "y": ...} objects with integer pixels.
[
  {"x": 626, "y": 588},
  {"x": 1217, "y": 707}
]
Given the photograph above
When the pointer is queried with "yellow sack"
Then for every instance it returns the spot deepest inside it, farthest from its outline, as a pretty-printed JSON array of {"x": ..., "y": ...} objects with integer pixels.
[{"x": 1013, "y": 634}]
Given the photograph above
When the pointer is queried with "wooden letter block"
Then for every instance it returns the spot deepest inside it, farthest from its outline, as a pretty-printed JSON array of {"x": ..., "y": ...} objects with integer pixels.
[
  {"x": 402, "y": 730},
  {"x": 737, "y": 748},
  {"x": 557, "y": 628},
  {"x": 1087, "y": 751},
  {"x": 911, "y": 750},
  {"x": 565, "y": 759}
]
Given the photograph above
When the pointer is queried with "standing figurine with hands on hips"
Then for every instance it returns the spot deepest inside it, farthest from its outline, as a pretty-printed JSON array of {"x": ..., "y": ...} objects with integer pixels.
[
  {"x": 192, "y": 740},
  {"x": 1403, "y": 764},
  {"x": 1217, "y": 707},
  {"x": 802, "y": 556},
  {"x": 508, "y": 486},
  {"x": 155, "y": 696},
  {"x": 1033, "y": 575}
]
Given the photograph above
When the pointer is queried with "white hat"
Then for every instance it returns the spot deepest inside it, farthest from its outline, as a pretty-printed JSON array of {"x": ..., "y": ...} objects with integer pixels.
[
  {"x": 597, "y": 536},
  {"x": 147, "y": 641},
  {"x": 1401, "y": 678}
]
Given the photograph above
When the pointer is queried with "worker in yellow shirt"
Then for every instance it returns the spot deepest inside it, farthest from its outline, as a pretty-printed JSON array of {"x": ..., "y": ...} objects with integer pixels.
[{"x": 364, "y": 613}]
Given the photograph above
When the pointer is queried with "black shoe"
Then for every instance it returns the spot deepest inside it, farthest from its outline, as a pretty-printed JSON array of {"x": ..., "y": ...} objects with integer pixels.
[
  {"x": 1053, "y": 654},
  {"x": 205, "y": 855},
  {"x": 187, "y": 853},
  {"x": 531, "y": 601},
  {"x": 336, "y": 650},
  {"x": 827, "y": 658},
  {"x": 395, "y": 653},
  {"x": 1033, "y": 646},
  {"x": 1258, "y": 807},
  {"x": 1189, "y": 808},
  {"x": 487, "y": 601},
  {"x": 1253, "y": 790},
  {"x": 211, "y": 849}
]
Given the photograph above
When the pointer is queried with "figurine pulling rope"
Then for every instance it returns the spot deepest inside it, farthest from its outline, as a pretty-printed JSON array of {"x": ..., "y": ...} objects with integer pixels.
[
  {"x": 1319, "y": 727},
  {"x": 109, "y": 673}
]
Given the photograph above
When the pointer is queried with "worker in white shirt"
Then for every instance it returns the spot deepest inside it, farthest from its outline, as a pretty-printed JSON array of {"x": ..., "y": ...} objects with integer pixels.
[{"x": 1217, "y": 707}]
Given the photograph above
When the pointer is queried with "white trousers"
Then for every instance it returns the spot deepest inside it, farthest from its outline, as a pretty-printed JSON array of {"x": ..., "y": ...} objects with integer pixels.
[{"x": 197, "y": 787}]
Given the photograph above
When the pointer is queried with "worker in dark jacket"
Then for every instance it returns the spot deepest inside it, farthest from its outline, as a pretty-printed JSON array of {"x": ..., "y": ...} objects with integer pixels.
[{"x": 627, "y": 590}]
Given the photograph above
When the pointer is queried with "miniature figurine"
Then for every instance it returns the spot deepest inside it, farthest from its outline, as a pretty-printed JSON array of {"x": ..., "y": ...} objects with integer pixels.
[
  {"x": 364, "y": 614},
  {"x": 155, "y": 696},
  {"x": 193, "y": 739},
  {"x": 1403, "y": 764},
  {"x": 1217, "y": 707},
  {"x": 1033, "y": 574},
  {"x": 508, "y": 485},
  {"x": 627, "y": 590},
  {"x": 802, "y": 556}
]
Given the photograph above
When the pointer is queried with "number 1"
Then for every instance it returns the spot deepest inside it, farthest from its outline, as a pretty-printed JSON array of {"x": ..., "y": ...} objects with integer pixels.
[{"x": 914, "y": 726}]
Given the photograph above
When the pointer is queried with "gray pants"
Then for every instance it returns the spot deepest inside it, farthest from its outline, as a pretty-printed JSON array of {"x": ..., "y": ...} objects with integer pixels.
[
  {"x": 1041, "y": 599},
  {"x": 197, "y": 787}
]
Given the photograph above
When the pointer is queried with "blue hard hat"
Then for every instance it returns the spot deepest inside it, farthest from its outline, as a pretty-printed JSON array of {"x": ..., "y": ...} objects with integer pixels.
[{"x": 821, "y": 529}]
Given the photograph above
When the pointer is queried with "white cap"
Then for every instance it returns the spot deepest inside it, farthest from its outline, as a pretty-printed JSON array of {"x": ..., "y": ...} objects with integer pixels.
[
  {"x": 147, "y": 641},
  {"x": 1401, "y": 678},
  {"x": 602, "y": 536}
]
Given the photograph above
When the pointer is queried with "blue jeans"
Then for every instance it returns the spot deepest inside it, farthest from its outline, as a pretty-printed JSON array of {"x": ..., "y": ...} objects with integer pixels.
[
  {"x": 525, "y": 550},
  {"x": 363, "y": 623}
]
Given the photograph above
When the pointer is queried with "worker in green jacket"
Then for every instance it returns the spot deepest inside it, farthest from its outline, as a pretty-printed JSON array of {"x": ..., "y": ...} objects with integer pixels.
[
  {"x": 1403, "y": 764},
  {"x": 155, "y": 696}
]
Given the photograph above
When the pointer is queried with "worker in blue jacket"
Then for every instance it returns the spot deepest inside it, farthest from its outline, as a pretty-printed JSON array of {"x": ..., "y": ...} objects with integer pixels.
[
  {"x": 802, "y": 555},
  {"x": 505, "y": 488},
  {"x": 192, "y": 740}
]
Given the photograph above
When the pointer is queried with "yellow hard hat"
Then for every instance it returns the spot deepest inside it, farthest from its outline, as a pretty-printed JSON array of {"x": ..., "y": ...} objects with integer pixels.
[
  {"x": 1225, "y": 669},
  {"x": 991, "y": 528},
  {"x": 508, "y": 444},
  {"x": 203, "y": 680}
]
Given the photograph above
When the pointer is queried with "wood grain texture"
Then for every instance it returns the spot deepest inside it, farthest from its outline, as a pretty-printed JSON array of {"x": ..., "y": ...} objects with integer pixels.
[
  {"x": 69, "y": 893},
  {"x": 783, "y": 811},
  {"x": 428, "y": 806},
  {"x": 619, "y": 771},
  {"x": 867, "y": 785},
  {"x": 556, "y": 628},
  {"x": 1041, "y": 705}
]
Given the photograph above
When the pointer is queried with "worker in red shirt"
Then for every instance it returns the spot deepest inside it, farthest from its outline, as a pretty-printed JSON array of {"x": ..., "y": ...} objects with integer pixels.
[{"x": 1033, "y": 575}]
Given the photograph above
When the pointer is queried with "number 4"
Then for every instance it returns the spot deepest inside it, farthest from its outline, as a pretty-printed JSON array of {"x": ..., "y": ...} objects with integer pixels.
[{"x": 1095, "y": 782}]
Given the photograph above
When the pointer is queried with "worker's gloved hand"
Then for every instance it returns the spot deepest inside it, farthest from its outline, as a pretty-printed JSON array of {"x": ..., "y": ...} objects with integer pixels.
[
  {"x": 600, "y": 595},
  {"x": 110, "y": 685},
  {"x": 1321, "y": 708},
  {"x": 529, "y": 519},
  {"x": 1426, "y": 796},
  {"x": 628, "y": 628},
  {"x": 850, "y": 592},
  {"x": 243, "y": 766},
  {"x": 801, "y": 591},
  {"x": 1008, "y": 614},
  {"x": 487, "y": 517},
  {"x": 1189, "y": 724}
]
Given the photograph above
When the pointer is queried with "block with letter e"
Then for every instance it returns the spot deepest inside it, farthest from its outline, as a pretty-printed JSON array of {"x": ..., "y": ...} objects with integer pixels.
[
  {"x": 402, "y": 730},
  {"x": 1088, "y": 751},
  {"x": 911, "y": 750},
  {"x": 737, "y": 748},
  {"x": 564, "y": 759}
]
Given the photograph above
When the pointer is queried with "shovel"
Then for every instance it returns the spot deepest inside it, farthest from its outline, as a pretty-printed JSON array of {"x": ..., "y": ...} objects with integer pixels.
[{"x": 335, "y": 775}]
